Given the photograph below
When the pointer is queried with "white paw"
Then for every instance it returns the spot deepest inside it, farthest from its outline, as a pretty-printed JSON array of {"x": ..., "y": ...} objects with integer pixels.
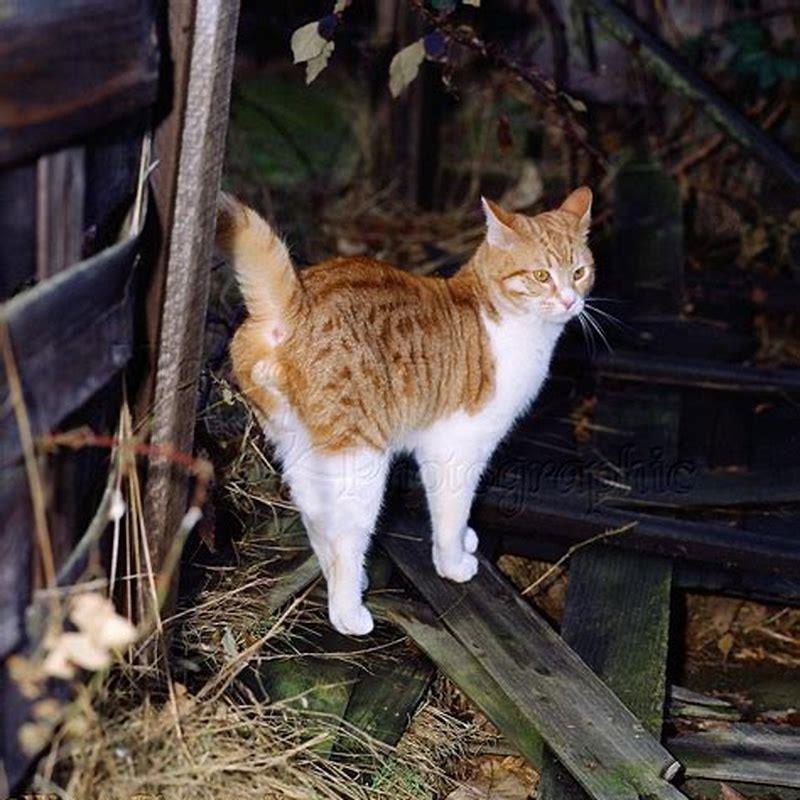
[
  {"x": 470, "y": 540},
  {"x": 363, "y": 581},
  {"x": 352, "y": 622},
  {"x": 459, "y": 569}
]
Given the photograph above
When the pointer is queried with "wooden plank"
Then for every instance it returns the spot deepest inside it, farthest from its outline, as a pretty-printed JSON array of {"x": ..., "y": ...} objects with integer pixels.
[
  {"x": 648, "y": 236},
  {"x": 762, "y": 754},
  {"x": 71, "y": 334},
  {"x": 705, "y": 374},
  {"x": 60, "y": 188},
  {"x": 201, "y": 147},
  {"x": 421, "y": 624},
  {"x": 17, "y": 229},
  {"x": 383, "y": 701},
  {"x": 599, "y": 740},
  {"x": 70, "y": 67},
  {"x": 617, "y": 620},
  {"x": 511, "y": 508}
]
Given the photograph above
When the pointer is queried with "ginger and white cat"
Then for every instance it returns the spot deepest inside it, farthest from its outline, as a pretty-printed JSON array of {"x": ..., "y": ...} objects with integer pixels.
[{"x": 352, "y": 360}]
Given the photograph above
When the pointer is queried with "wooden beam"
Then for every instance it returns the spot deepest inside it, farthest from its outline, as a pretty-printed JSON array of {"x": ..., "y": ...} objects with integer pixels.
[
  {"x": 511, "y": 509},
  {"x": 201, "y": 145},
  {"x": 617, "y": 620},
  {"x": 71, "y": 67},
  {"x": 600, "y": 741}
]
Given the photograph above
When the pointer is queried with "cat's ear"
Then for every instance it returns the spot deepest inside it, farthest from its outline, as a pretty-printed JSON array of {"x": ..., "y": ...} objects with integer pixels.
[
  {"x": 579, "y": 203},
  {"x": 499, "y": 232}
]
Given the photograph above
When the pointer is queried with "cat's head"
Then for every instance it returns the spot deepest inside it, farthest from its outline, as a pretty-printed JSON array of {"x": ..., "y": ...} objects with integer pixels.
[{"x": 543, "y": 263}]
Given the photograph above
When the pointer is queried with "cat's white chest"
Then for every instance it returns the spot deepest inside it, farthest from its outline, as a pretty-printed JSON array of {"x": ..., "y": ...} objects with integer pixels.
[{"x": 522, "y": 346}]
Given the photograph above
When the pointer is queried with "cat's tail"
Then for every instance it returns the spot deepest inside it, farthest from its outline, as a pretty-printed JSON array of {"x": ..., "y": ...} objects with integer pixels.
[{"x": 260, "y": 259}]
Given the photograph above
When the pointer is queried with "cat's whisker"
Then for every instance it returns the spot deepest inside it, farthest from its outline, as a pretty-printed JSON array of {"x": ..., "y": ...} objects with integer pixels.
[
  {"x": 587, "y": 337},
  {"x": 610, "y": 317},
  {"x": 596, "y": 325}
]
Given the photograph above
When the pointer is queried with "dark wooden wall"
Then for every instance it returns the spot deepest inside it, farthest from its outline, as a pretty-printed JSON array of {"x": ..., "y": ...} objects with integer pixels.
[{"x": 79, "y": 84}]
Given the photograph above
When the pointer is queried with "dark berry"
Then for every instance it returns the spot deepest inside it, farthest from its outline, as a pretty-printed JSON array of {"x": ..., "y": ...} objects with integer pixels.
[
  {"x": 435, "y": 45},
  {"x": 327, "y": 26}
]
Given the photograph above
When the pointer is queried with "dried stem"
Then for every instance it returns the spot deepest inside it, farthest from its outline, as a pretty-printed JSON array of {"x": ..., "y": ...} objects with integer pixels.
[{"x": 29, "y": 453}]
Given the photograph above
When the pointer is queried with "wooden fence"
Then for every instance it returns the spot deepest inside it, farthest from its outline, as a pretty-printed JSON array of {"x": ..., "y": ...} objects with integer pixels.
[{"x": 112, "y": 122}]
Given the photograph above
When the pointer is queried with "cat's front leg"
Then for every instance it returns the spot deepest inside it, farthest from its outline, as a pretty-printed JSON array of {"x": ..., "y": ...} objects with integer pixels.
[{"x": 450, "y": 473}]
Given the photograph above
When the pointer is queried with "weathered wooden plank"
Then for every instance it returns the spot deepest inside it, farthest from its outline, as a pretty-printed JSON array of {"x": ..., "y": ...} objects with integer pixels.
[
  {"x": 510, "y": 508},
  {"x": 762, "y": 754},
  {"x": 70, "y": 335},
  {"x": 17, "y": 228},
  {"x": 200, "y": 150},
  {"x": 421, "y": 624},
  {"x": 601, "y": 743},
  {"x": 60, "y": 188},
  {"x": 70, "y": 67},
  {"x": 706, "y": 374},
  {"x": 617, "y": 620},
  {"x": 648, "y": 236},
  {"x": 383, "y": 701}
]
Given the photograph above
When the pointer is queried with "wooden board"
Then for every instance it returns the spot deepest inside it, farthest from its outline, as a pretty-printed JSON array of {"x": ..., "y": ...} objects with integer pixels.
[
  {"x": 762, "y": 754},
  {"x": 599, "y": 740},
  {"x": 383, "y": 701},
  {"x": 208, "y": 57},
  {"x": 617, "y": 620},
  {"x": 70, "y": 67},
  {"x": 422, "y": 625}
]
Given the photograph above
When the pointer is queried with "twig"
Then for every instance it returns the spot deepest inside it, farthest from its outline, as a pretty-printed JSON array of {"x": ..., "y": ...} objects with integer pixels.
[
  {"x": 31, "y": 468},
  {"x": 93, "y": 533},
  {"x": 543, "y": 86},
  {"x": 574, "y": 549}
]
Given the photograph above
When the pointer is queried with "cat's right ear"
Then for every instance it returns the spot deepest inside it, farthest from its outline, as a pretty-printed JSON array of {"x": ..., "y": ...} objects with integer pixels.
[{"x": 499, "y": 232}]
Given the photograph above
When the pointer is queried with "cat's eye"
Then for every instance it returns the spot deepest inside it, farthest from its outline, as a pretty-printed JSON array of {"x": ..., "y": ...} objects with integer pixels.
[
  {"x": 541, "y": 275},
  {"x": 579, "y": 273}
]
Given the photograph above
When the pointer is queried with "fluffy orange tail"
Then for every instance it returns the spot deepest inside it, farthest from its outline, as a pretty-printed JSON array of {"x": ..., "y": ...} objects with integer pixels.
[{"x": 263, "y": 268}]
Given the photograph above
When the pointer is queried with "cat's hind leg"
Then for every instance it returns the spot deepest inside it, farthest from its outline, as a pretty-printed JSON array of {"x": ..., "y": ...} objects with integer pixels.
[{"x": 340, "y": 497}]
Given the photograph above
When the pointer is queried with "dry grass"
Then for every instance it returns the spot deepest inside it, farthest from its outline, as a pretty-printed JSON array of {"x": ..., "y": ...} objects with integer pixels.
[{"x": 222, "y": 736}]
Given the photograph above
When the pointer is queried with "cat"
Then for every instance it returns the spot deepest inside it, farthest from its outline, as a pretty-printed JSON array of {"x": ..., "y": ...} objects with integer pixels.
[{"x": 351, "y": 361}]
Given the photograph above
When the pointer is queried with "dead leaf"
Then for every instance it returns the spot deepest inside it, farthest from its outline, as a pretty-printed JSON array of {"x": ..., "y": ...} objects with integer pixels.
[
  {"x": 527, "y": 190},
  {"x": 729, "y": 793},
  {"x": 82, "y": 650},
  {"x": 725, "y": 644},
  {"x": 405, "y": 67},
  {"x": 95, "y": 616},
  {"x": 475, "y": 3},
  {"x": 340, "y": 6},
  {"x": 46, "y": 709},
  {"x": 504, "y": 139},
  {"x": 307, "y": 43},
  {"x": 315, "y": 65},
  {"x": 574, "y": 103},
  {"x": 33, "y": 737}
]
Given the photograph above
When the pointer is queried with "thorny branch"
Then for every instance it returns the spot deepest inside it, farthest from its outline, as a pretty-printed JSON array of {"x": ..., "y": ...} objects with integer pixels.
[{"x": 543, "y": 86}]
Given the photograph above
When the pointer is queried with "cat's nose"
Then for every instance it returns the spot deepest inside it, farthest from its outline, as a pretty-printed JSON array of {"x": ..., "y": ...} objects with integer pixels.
[{"x": 568, "y": 301}]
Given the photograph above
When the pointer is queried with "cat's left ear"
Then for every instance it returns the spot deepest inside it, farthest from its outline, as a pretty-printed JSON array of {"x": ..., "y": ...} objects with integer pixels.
[
  {"x": 499, "y": 232},
  {"x": 579, "y": 203}
]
